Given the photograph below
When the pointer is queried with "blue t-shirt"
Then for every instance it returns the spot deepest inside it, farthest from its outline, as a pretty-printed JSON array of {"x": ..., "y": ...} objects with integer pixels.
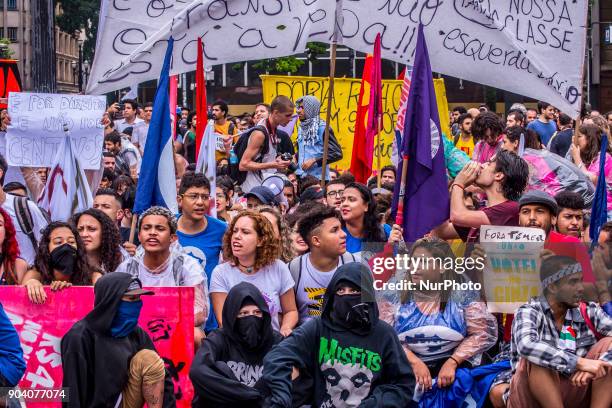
[
  {"x": 353, "y": 244},
  {"x": 206, "y": 245},
  {"x": 544, "y": 130}
]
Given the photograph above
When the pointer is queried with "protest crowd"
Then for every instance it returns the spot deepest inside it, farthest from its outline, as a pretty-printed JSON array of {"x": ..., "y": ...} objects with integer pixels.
[{"x": 285, "y": 258}]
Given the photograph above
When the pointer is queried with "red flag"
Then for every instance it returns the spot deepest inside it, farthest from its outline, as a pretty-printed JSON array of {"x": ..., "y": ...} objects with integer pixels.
[
  {"x": 375, "y": 108},
  {"x": 360, "y": 167},
  {"x": 173, "y": 90},
  {"x": 200, "y": 98},
  {"x": 369, "y": 111}
]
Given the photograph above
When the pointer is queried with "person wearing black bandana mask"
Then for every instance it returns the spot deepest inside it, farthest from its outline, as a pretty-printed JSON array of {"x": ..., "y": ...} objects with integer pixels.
[
  {"x": 107, "y": 359},
  {"x": 227, "y": 369},
  {"x": 355, "y": 359},
  {"x": 61, "y": 262}
]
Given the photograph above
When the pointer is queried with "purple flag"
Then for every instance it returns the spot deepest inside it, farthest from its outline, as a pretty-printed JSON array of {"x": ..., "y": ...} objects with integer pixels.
[{"x": 423, "y": 201}]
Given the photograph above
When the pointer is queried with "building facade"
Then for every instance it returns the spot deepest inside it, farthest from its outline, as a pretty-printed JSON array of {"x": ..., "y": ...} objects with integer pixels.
[{"x": 16, "y": 26}]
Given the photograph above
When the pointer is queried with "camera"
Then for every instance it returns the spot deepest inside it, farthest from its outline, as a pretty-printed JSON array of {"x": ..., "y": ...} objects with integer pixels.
[{"x": 287, "y": 157}]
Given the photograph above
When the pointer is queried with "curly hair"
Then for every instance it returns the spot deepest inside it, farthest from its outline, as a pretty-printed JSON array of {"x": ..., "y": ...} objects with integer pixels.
[
  {"x": 484, "y": 121},
  {"x": 268, "y": 252},
  {"x": 164, "y": 212},
  {"x": 82, "y": 270},
  {"x": 285, "y": 234},
  {"x": 371, "y": 225},
  {"x": 10, "y": 247},
  {"x": 109, "y": 251}
]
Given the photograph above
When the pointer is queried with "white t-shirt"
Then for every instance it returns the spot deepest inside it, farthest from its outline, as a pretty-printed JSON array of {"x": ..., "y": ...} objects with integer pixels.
[
  {"x": 311, "y": 289},
  {"x": 253, "y": 178},
  {"x": 28, "y": 252},
  {"x": 273, "y": 281},
  {"x": 121, "y": 124}
]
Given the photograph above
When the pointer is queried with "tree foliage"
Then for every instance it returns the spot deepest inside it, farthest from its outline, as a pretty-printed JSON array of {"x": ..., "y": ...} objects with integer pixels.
[{"x": 81, "y": 15}]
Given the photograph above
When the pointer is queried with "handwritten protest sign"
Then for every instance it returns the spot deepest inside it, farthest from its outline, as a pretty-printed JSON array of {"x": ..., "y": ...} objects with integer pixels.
[
  {"x": 514, "y": 45},
  {"x": 167, "y": 317},
  {"x": 344, "y": 107},
  {"x": 512, "y": 273},
  {"x": 37, "y": 128}
]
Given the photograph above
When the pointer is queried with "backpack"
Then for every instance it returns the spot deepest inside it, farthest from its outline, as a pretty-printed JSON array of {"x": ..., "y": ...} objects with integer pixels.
[
  {"x": 177, "y": 264},
  {"x": 334, "y": 150},
  {"x": 25, "y": 220},
  {"x": 238, "y": 151},
  {"x": 295, "y": 267}
]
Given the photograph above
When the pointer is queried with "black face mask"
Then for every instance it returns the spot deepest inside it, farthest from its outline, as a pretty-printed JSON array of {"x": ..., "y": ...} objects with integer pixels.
[
  {"x": 63, "y": 259},
  {"x": 250, "y": 330},
  {"x": 351, "y": 312}
]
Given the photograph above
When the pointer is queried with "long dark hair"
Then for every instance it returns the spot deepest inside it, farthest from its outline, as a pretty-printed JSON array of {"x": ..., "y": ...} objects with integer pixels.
[
  {"x": 593, "y": 136},
  {"x": 110, "y": 252},
  {"x": 82, "y": 270},
  {"x": 10, "y": 248},
  {"x": 372, "y": 229},
  {"x": 532, "y": 140}
]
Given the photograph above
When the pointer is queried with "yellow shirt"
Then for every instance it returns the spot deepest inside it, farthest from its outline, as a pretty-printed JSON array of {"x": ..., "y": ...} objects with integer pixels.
[
  {"x": 466, "y": 146},
  {"x": 223, "y": 130}
]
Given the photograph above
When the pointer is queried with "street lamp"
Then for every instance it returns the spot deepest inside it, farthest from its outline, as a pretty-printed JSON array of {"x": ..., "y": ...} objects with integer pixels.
[
  {"x": 74, "y": 66},
  {"x": 86, "y": 71}
]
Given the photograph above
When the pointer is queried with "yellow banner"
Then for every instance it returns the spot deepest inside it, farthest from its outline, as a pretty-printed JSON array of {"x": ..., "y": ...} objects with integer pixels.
[{"x": 344, "y": 107}]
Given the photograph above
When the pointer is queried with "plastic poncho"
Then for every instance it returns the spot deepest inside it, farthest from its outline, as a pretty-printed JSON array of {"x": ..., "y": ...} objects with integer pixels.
[{"x": 551, "y": 173}]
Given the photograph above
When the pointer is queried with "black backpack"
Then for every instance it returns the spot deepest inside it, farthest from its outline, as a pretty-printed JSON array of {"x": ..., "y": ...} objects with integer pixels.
[{"x": 240, "y": 147}]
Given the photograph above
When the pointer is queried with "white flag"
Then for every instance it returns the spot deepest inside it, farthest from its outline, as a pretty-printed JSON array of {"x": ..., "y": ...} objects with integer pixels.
[
  {"x": 207, "y": 163},
  {"x": 67, "y": 191}
]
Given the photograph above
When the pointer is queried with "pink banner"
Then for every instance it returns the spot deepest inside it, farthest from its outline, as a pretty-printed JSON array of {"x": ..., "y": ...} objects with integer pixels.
[{"x": 167, "y": 317}]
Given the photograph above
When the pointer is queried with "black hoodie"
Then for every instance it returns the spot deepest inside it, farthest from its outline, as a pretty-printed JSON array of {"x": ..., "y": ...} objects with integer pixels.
[
  {"x": 224, "y": 372},
  {"x": 95, "y": 364},
  {"x": 350, "y": 368}
]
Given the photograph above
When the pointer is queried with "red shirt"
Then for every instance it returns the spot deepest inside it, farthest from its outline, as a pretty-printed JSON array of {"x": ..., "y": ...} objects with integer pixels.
[
  {"x": 504, "y": 214},
  {"x": 565, "y": 245}
]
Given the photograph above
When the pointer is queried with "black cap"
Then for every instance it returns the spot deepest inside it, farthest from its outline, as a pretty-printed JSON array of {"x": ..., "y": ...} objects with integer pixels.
[
  {"x": 311, "y": 193},
  {"x": 135, "y": 288}
]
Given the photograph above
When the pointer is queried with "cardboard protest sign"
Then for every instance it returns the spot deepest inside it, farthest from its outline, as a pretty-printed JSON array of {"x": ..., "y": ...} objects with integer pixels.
[
  {"x": 344, "y": 108},
  {"x": 512, "y": 275},
  {"x": 37, "y": 128},
  {"x": 514, "y": 45},
  {"x": 167, "y": 317}
]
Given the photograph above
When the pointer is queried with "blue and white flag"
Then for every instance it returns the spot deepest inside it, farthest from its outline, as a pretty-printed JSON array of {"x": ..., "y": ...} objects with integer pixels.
[{"x": 157, "y": 182}]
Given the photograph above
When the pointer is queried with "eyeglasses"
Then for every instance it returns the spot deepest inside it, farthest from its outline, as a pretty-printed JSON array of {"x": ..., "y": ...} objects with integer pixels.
[
  {"x": 195, "y": 197},
  {"x": 337, "y": 193}
]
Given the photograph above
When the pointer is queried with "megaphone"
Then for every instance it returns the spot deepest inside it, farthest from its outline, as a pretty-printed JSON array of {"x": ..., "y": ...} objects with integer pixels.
[{"x": 276, "y": 183}]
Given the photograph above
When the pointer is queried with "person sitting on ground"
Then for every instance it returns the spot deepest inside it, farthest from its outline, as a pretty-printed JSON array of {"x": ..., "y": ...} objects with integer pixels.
[
  {"x": 312, "y": 272},
  {"x": 354, "y": 358},
  {"x": 556, "y": 358},
  {"x": 12, "y": 267},
  {"x": 157, "y": 265},
  {"x": 251, "y": 254},
  {"x": 226, "y": 371},
  {"x": 457, "y": 321},
  {"x": 101, "y": 238},
  {"x": 107, "y": 359},
  {"x": 61, "y": 261}
]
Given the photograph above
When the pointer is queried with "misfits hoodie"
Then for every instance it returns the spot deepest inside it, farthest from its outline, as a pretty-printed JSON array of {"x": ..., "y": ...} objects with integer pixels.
[
  {"x": 226, "y": 371},
  {"x": 95, "y": 364},
  {"x": 363, "y": 367}
]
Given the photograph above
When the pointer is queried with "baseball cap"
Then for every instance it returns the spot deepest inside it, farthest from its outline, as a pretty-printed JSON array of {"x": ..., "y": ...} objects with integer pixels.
[
  {"x": 262, "y": 193},
  {"x": 311, "y": 193},
  {"x": 539, "y": 197},
  {"x": 135, "y": 288}
]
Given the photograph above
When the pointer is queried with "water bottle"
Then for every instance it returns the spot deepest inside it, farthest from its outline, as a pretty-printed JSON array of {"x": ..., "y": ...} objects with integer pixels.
[{"x": 233, "y": 159}]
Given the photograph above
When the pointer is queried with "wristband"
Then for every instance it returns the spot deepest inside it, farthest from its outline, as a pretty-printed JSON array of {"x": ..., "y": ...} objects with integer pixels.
[
  {"x": 461, "y": 186},
  {"x": 453, "y": 358}
]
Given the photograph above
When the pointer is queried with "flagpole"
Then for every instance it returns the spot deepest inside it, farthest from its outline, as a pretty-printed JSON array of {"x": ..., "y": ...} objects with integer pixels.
[
  {"x": 332, "y": 72},
  {"x": 378, "y": 172},
  {"x": 133, "y": 227},
  {"x": 399, "y": 217}
]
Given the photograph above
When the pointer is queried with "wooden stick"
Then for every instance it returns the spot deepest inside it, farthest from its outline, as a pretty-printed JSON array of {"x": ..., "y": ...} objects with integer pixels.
[
  {"x": 332, "y": 73},
  {"x": 133, "y": 227},
  {"x": 378, "y": 171}
]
